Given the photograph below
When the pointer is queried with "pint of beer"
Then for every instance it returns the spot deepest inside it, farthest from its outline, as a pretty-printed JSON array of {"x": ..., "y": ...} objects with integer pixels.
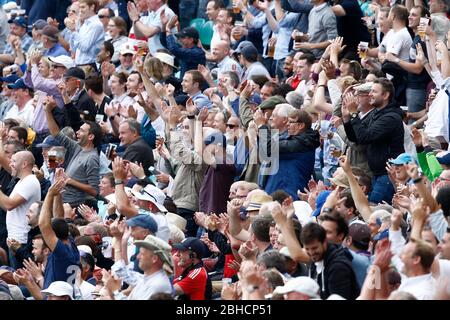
[
  {"x": 52, "y": 159},
  {"x": 236, "y": 8},
  {"x": 422, "y": 33},
  {"x": 238, "y": 24},
  {"x": 363, "y": 47}
]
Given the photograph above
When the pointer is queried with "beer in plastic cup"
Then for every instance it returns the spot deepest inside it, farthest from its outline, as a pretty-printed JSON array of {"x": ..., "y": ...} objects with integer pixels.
[
  {"x": 423, "y": 22},
  {"x": 363, "y": 47}
]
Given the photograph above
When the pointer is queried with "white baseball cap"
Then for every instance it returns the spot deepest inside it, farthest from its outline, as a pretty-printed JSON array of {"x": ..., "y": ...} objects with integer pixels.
[
  {"x": 304, "y": 285},
  {"x": 66, "y": 61},
  {"x": 59, "y": 289}
]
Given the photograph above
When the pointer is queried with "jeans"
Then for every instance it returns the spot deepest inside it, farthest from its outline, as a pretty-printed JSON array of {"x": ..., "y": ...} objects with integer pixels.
[
  {"x": 191, "y": 226},
  {"x": 382, "y": 189},
  {"x": 416, "y": 99}
]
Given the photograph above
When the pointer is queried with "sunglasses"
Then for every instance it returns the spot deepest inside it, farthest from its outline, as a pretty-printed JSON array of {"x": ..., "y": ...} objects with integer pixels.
[
  {"x": 100, "y": 16},
  {"x": 232, "y": 126}
]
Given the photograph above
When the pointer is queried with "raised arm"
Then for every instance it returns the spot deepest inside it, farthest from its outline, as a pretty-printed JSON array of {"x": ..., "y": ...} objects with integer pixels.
[{"x": 123, "y": 204}]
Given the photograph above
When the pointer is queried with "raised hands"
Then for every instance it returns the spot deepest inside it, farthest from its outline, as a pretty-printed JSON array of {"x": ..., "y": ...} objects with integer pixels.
[
  {"x": 88, "y": 213},
  {"x": 120, "y": 169},
  {"x": 344, "y": 163}
]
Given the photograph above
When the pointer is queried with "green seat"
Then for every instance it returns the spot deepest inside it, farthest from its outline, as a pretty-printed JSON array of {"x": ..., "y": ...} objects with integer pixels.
[
  {"x": 206, "y": 33},
  {"x": 197, "y": 23}
]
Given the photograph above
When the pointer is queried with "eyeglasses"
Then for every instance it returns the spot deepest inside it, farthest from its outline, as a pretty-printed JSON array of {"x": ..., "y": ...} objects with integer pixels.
[
  {"x": 232, "y": 126},
  {"x": 100, "y": 16},
  {"x": 54, "y": 66},
  {"x": 128, "y": 55}
]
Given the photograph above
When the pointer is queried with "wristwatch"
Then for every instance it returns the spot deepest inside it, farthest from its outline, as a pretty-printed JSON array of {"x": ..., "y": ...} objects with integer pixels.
[
  {"x": 354, "y": 115},
  {"x": 397, "y": 60},
  {"x": 118, "y": 181},
  {"x": 327, "y": 210}
]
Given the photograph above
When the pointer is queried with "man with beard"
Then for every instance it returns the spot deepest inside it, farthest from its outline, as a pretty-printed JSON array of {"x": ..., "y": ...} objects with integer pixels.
[
  {"x": 383, "y": 135},
  {"x": 82, "y": 159}
]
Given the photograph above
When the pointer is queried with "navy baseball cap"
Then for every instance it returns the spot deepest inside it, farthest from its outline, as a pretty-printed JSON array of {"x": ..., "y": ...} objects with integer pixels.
[
  {"x": 192, "y": 244},
  {"x": 75, "y": 72},
  {"x": 20, "y": 21},
  {"x": 188, "y": 32},
  {"x": 48, "y": 142},
  {"x": 19, "y": 84},
  {"x": 10, "y": 79},
  {"x": 143, "y": 220},
  {"x": 444, "y": 159}
]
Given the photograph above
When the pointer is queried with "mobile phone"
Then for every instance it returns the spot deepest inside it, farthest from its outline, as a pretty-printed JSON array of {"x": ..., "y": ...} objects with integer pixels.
[
  {"x": 110, "y": 151},
  {"x": 99, "y": 118},
  {"x": 153, "y": 171}
]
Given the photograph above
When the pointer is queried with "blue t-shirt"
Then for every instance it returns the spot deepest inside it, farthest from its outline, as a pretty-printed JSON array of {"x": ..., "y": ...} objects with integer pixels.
[{"x": 62, "y": 263}]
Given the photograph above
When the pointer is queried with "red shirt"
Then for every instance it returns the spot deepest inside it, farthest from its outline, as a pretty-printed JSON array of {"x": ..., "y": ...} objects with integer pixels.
[{"x": 194, "y": 284}]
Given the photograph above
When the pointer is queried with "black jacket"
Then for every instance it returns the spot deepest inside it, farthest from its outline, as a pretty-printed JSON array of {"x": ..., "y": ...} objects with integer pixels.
[
  {"x": 383, "y": 132},
  {"x": 84, "y": 105},
  {"x": 337, "y": 276}
]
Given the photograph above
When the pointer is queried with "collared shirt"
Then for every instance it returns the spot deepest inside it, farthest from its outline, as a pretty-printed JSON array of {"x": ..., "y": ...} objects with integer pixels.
[
  {"x": 57, "y": 50},
  {"x": 229, "y": 64},
  {"x": 5, "y": 107},
  {"x": 422, "y": 287},
  {"x": 43, "y": 87},
  {"x": 86, "y": 42},
  {"x": 26, "y": 41},
  {"x": 154, "y": 19}
]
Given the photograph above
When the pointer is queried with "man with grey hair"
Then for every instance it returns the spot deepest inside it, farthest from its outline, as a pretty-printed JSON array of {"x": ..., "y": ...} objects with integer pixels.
[
  {"x": 25, "y": 193},
  {"x": 296, "y": 144},
  {"x": 295, "y": 99},
  {"x": 137, "y": 150}
]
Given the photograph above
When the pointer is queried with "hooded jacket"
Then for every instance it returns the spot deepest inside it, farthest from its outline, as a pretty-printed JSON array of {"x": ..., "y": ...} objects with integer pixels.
[
  {"x": 337, "y": 276},
  {"x": 295, "y": 163},
  {"x": 382, "y": 132}
]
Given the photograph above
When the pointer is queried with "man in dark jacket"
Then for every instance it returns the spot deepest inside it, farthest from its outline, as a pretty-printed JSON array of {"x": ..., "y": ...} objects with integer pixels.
[
  {"x": 331, "y": 264},
  {"x": 137, "y": 150},
  {"x": 297, "y": 143},
  {"x": 383, "y": 133}
]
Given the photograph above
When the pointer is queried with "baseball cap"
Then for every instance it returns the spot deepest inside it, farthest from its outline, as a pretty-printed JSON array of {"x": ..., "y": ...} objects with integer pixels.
[
  {"x": 50, "y": 31},
  {"x": 152, "y": 194},
  {"x": 166, "y": 58},
  {"x": 250, "y": 52},
  {"x": 181, "y": 99},
  {"x": 242, "y": 45},
  {"x": 59, "y": 289},
  {"x": 75, "y": 72},
  {"x": 48, "y": 142},
  {"x": 158, "y": 246},
  {"x": 444, "y": 158},
  {"x": 304, "y": 285},
  {"x": 188, "y": 32},
  {"x": 143, "y": 220},
  {"x": 320, "y": 201},
  {"x": 402, "y": 159},
  {"x": 271, "y": 103},
  {"x": 84, "y": 248},
  {"x": 360, "y": 233},
  {"x": 202, "y": 101},
  {"x": 10, "y": 79},
  {"x": 19, "y": 21},
  {"x": 63, "y": 60},
  {"x": 19, "y": 84},
  {"x": 255, "y": 99},
  {"x": 193, "y": 244},
  {"x": 127, "y": 49},
  {"x": 39, "y": 24}
]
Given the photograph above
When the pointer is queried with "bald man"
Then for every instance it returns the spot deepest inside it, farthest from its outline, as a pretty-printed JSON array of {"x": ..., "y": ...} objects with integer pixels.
[
  {"x": 220, "y": 53},
  {"x": 25, "y": 193}
]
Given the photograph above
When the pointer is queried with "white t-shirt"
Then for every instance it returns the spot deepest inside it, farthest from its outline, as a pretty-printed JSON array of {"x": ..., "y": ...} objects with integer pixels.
[
  {"x": 154, "y": 19},
  {"x": 16, "y": 220},
  {"x": 86, "y": 289},
  {"x": 399, "y": 43},
  {"x": 422, "y": 287},
  {"x": 26, "y": 114},
  {"x": 157, "y": 282}
]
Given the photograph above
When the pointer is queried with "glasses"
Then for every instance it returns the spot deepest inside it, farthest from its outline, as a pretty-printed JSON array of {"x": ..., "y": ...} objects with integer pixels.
[
  {"x": 292, "y": 122},
  {"x": 185, "y": 127},
  {"x": 100, "y": 16},
  {"x": 55, "y": 66},
  {"x": 127, "y": 55},
  {"x": 232, "y": 126}
]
